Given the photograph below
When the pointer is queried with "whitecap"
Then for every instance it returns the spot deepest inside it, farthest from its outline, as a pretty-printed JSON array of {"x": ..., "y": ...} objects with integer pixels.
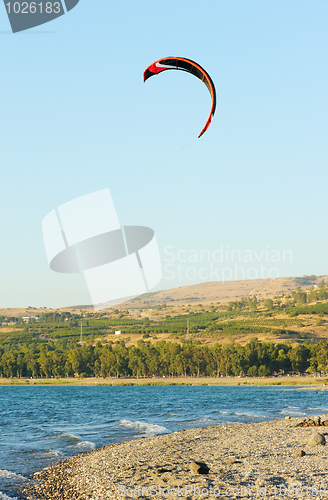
[
  {"x": 315, "y": 409},
  {"x": 86, "y": 444},
  {"x": 143, "y": 428},
  {"x": 293, "y": 413},
  {"x": 247, "y": 415},
  {"x": 49, "y": 454},
  {"x": 67, "y": 437},
  {"x": 73, "y": 441},
  {"x": 6, "y": 474},
  {"x": 6, "y": 497}
]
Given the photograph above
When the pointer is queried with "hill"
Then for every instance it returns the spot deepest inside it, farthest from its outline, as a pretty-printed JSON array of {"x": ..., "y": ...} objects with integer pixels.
[
  {"x": 218, "y": 291},
  {"x": 214, "y": 291},
  {"x": 282, "y": 327},
  {"x": 206, "y": 313}
]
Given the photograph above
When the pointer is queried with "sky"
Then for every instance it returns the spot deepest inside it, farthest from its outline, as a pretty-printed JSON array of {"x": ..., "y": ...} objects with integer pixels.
[{"x": 246, "y": 200}]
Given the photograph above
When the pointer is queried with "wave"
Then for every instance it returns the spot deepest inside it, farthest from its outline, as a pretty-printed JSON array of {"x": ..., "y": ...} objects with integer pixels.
[
  {"x": 6, "y": 474},
  {"x": 72, "y": 440},
  {"x": 316, "y": 409},
  {"x": 143, "y": 428},
  {"x": 86, "y": 445},
  {"x": 48, "y": 454},
  {"x": 6, "y": 497},
  {"x": 293, "y": 413},
  {"x": 252, "y": 415}
]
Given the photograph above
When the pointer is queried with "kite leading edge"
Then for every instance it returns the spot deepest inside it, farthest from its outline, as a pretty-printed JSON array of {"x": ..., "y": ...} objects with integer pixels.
[{"x": 190, "y": 66}]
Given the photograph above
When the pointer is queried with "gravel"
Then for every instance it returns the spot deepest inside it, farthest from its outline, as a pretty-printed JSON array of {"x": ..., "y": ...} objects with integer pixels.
[{"x": 244, "y": 460}]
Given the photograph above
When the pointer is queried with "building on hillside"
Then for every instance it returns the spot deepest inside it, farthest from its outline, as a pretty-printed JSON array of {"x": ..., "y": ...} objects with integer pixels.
[{"x": 30, "y": 319}]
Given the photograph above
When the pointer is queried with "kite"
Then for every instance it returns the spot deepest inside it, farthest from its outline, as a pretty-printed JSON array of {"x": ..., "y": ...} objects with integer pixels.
[{"x": 190, "y": 66}]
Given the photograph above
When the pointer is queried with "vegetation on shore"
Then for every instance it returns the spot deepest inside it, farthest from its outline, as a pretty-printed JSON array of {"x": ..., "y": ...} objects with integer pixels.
[
  {"x": 163, "y": 359},
  {"x": 285, "y": 333},
  {"x": 301, "y": 382}
]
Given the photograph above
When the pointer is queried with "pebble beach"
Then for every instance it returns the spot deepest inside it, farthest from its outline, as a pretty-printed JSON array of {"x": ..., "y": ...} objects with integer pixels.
[{"x": 277, "y": 459}]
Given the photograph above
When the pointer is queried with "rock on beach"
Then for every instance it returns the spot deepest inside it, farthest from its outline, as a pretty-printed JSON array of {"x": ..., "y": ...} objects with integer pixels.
[
  {"x": 199, "y": 468},
  {"x": 316, "y": 439},
  {"x": 241, "y": 460}
]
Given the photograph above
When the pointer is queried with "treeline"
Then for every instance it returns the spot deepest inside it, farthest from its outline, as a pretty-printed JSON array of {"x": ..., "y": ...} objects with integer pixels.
[
  {"x": 161, "y": 359},
  {"x": 286, "y": 303},
  {"x": 318, "y": 308},
  {"x": 301, "y": 297}
]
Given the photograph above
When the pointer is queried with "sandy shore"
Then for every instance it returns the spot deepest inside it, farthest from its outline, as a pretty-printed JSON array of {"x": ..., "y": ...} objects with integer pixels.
[
  {"x": 295, "y": 380},
  {"x": 244, "y": 460}
]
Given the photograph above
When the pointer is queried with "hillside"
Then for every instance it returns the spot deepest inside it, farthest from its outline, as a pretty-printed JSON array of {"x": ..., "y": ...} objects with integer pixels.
[
  {"x": 285, "y": 331},
  {"x": 206, "y": 313},
  {"x": 218, "y": 291},
  {"x": 214, "y": 291}
]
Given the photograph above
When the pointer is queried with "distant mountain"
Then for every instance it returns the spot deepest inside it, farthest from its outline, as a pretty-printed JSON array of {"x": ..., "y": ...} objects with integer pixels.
[
  {"x": 217, "y": 291},
  {"x": 203, "y": 293}
]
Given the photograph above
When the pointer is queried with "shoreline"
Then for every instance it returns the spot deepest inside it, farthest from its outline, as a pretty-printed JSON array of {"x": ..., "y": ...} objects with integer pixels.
[
  {"x": 244, "y": 460},
  {"x": 310, "y": 382}
]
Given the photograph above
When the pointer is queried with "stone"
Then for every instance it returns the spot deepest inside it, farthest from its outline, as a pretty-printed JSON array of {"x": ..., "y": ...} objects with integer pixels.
[
  {"x": 317, "y": 421},
  {"x": 231, "y": 461},
  {"x": 162, "y": 470},
  {"x": 287, "y": 417},
  {"x": 298, "y": 423},
  {"x": 316, "y": 439},
  {"x": 299, "y": 453},
  {"x": 199, "y": 468}
]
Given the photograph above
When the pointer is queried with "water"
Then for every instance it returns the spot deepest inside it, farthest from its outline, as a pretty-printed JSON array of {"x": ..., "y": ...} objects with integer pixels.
[{"x": 41, "y": 425}]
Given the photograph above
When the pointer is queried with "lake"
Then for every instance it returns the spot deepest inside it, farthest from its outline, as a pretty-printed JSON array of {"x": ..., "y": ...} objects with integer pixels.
[{"x": 41, "y": 425}]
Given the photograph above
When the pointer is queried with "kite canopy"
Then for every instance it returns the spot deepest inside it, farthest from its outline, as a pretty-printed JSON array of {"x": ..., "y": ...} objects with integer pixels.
[{"x": 191, "y": 67}]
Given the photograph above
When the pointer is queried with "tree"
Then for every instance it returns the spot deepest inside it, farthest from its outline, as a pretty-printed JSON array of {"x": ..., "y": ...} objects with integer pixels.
[
  {"x": 268, "y": 304},
  {"x": 264, "y": 371},
  {"x": 299, "y": 358},
  {"x": 252, "y": 371}
]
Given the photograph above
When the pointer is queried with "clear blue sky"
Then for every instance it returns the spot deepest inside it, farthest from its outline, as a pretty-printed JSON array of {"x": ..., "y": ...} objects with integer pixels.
[{"x": 76, "y": 117}]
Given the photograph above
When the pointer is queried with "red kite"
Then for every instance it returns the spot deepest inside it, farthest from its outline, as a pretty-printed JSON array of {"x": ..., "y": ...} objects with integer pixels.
[{"x": 191, "y": 67}]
